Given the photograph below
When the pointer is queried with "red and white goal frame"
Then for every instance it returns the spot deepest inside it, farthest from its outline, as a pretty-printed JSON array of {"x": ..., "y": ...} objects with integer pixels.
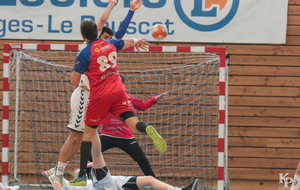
[{"x": 223, "y": 97}]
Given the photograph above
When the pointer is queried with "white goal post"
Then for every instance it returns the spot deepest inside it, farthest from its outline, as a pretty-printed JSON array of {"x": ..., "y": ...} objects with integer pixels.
[{"x": 166, "y": 68}]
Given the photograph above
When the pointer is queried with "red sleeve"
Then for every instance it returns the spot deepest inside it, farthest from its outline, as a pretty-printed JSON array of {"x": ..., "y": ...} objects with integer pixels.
[{"x": 140, "y": 105}]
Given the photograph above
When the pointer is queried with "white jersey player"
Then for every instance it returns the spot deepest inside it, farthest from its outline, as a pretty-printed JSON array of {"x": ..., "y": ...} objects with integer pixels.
[
  {"x": 124, "y": 183},
  {"x": 102, "y": 179},
  {"x": 78, "y": 103}
]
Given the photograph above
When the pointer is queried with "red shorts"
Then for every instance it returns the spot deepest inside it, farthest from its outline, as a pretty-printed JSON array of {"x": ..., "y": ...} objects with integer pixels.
[{"x": 115, "y": 103}]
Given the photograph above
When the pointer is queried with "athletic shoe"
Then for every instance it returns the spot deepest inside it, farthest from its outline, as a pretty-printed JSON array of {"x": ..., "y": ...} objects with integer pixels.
[
  {"x": 49, "y": 172},
  {"x": 159, "y": 143},
  {"x": 192, "y": 186},
  {"x": 79, "y": 181},
  {"x": 56, "y": 182}
]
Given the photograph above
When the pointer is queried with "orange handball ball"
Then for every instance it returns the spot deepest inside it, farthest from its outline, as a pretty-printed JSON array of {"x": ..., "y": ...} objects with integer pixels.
[{"x": 159, "y": 32}]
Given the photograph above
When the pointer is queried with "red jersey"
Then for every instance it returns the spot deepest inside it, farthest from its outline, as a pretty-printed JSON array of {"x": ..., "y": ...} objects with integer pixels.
[
  {"x": 99, "y": 61},
  {"x": 115, "y": 128}
]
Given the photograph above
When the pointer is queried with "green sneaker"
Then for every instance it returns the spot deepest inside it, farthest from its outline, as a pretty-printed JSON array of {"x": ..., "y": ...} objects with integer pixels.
[
  {"x": 159, "y": 143},
  {"x": 79, "y": 181}
]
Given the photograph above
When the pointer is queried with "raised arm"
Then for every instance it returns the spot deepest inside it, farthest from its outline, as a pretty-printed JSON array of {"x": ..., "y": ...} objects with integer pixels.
[
  {"x": 140, "y": 43},
  {"x": 121, "y": 44},
  {"x": 104, "y": 17},
  {"x": 134, "y": 5},
  {"x": 143, "y": 105},
  {"x": 162, "y": 96}
]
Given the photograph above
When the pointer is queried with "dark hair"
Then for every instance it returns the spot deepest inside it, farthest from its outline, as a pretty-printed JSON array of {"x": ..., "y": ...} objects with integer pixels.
[
  {"x": 89, "y": 30},
  {"x": 107, "y": 30},
  {"x": 123, "y": 78}
]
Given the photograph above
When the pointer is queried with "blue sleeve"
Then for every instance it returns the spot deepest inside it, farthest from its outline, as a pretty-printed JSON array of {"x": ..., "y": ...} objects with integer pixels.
[
  {"x": 82, "y": 60},
  {"x": 118, "y": 43},
  {"x": 124, "y": 25}
]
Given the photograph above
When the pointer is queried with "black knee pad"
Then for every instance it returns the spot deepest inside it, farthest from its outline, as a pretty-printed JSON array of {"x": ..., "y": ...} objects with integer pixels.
[
  {"x": 141, "y": 126},
  {"x": 131, "y": 183},
  {"x": 93, "y": 126},
  {"x": 100, "y": 173}
]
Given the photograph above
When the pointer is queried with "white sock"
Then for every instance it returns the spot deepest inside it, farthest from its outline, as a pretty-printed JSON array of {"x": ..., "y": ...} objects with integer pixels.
[
  {"x": 60, "y": 170},
  {"x": 173, "y": 188},
  {"x": 296, "y": 184}
]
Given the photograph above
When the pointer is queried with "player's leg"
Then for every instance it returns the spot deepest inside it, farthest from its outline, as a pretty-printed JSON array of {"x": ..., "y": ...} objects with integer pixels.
[
  {"x": 99, "y": 169},
  {"x": 154, "y": 183},
  {"x": 122, "y": 107},
  {"x": 76, "y": 126},
  {"x": 133, "y": 149},
  {"x": 296, "y": 182},
  {"x": 68, "y": 150},
  {"x": 101, "y": 176},
  {"x": 102, "y": 179},
  {"x": 106, "y": 144},
  {"x": 97, "y": 153},
  {"x": 85, "y": 152},
  {"x": 96, "y": 112},
  {"x": 141, "y": 126}
]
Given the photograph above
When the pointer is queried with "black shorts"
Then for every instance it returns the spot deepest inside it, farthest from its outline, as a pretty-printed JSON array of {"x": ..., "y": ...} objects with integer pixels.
[
  {"x": 131, "y": 184},
  {"x": 125, "y": 115}
]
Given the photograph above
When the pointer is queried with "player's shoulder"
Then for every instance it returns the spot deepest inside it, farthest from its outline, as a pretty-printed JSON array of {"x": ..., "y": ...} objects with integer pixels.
[
  {"x": 114, "y": 41},
  {"x": 118, "y": 43},
  {"x": 85, "y": 49}
]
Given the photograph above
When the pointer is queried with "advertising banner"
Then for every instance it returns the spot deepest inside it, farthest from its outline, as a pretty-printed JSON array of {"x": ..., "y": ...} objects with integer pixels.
[{"x": 228, "y": 21}]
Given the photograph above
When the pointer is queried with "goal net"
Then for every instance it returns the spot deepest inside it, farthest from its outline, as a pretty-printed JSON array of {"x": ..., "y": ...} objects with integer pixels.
[{"x": 191, "y": 120}]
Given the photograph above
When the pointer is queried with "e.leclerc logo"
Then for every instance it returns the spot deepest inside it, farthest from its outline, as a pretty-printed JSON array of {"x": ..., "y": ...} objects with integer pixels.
[{"x": 200, "y": 11}]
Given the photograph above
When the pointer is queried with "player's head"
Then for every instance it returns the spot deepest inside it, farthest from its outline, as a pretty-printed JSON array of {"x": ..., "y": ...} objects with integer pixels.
[
  {"x": 106, "y": 33},
  {"x": 89, "y": 30}
]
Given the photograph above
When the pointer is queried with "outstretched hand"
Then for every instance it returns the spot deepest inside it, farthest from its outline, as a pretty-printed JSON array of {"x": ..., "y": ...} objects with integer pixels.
[
  {"x": 162, "y": 96},
  {"x": 113, "y": 2},
  {"x": 142, "y": 43},
  {"x": 135, "y": 5}
]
